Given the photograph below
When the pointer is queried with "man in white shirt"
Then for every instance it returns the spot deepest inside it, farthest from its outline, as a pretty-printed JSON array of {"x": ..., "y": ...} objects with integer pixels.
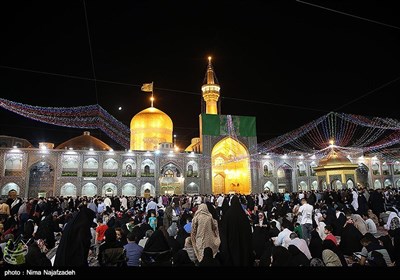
[
  {"x": 306, "y": 219},
  {"x": 151, "y": 206},
  {"x": 283, "y": 238}
]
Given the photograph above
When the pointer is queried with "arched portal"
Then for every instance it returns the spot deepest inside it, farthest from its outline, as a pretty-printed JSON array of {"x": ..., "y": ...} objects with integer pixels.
[
  {"x": 192, "y": 188},
  {"x": 285, "y": 177},
  {"x": 109, "y": 189},
  {"x": 41, "y": 179},
  {"x": 171, "y": 181},
  {"x": 147, "y": 190},
  {"x": 269, "y": 186},
  {"x": 230, "y": 167}
]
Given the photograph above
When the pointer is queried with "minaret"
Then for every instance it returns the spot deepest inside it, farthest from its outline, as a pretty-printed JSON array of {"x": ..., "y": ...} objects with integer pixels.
[{"x": 210, "y": 90}]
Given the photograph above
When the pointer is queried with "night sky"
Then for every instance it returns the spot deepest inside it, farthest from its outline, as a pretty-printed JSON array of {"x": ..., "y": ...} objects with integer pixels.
[{"x": 285, "y": 62}]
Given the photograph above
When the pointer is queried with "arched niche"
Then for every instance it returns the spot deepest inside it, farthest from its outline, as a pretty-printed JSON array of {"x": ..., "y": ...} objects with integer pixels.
[
  {"x": 109, "y": 189},
  {"x": 10, "y": 187},
  {"x": 68, "y": 189},
  {"x": 269, "y": 186},
  {"x": 89, "y": 190},
  {"x": 129, "y": 189}
]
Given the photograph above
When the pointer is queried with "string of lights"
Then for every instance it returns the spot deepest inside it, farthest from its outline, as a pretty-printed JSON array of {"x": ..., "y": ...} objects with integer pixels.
[
  {"x": 353, "y": 133},
  {"x": 84, "y": 117}
]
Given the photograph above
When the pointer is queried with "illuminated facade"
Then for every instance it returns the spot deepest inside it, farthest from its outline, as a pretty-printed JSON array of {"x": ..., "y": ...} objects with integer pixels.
[{"x": 223, "y": 159}]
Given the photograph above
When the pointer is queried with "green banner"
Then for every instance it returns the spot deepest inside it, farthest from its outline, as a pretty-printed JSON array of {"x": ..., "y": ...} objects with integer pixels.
[{"x": 217, "y": 125}]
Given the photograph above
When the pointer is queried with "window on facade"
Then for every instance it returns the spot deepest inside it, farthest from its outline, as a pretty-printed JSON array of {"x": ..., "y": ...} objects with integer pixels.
[
  {"x": 190, "y": 171},
  {"x": 375, "y": 169},
  {"x": 385, "y": 169},
  {"x": 301, "y": 169},
  {"x": 396, "y": 168}
]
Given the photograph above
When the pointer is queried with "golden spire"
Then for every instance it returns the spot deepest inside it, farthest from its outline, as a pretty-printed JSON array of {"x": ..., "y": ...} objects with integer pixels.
[
  {"x": 152, "y": 100},
  {"x": 210, "y": 90}
]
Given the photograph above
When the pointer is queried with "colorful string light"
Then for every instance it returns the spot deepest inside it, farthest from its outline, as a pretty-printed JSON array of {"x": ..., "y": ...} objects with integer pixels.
[{"x": 354, "y": 134}]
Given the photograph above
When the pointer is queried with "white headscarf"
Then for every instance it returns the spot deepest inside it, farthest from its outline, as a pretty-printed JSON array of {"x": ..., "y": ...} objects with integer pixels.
[{"x": 391, "y": 216}]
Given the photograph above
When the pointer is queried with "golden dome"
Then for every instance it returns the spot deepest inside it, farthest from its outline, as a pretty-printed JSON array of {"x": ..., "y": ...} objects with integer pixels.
[
  {"x": 84, "y": 142},
  {"x": 149, "y": 128}
]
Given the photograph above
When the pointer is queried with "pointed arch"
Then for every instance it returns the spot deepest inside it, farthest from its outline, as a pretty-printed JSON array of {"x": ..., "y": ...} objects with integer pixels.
[
  {"x": 385, "y": 169},
  {"x": 285, "y": 177},
  {"x": 377, "y": 184},
  {"x": 109, "y": 189},
  {"x": 70, "y": 162},
  {"x": 173, "y": 169},
  {"x": 147, "y": 188},
  {"x": 129, "y": 189},
  {"x": 192, "y": 188},
  {"x": 41, "y": 179},
  {"x": 312, "y": 166},
  {"x": 387, "y": 183},
  {"x": 234, "y": 162},
  {"x": 301, "y": 169},
  {"x": 68, "y": 189},
  {"x": 90, "y": 163},
  {"x": 303, "y": 186},
  {"x": 89, "y": 190},
  {"x": 147, "y": 168},
  {"x": 314, "y": 185},
  {"x": 13, "y": 165},
  {"x": 192, "y": 169},
  {"x": 10, "y": 187},
  {"x": 110, "y": 164},
  {"x": 350, "y": 183},
  {"x": 129, "y": 168},
  {"x": 336, "y": 185},
  {"x": 396, "y": 167},
  {"x": 376, "y": 168},
  {"x": 269, "y": 186},
  {"x": 267, "y": 169}
]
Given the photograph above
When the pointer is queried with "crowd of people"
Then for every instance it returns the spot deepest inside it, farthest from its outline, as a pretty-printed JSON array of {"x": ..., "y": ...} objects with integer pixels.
[{"x": 349, "y": 227}]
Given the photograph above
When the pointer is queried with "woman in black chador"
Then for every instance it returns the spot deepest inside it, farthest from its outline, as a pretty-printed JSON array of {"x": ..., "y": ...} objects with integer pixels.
[
  {"x": 236, "y": 243},
  {"x": 74, "y": 246}
]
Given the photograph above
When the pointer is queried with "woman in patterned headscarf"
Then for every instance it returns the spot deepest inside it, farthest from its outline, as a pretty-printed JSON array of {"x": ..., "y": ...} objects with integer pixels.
[{"x": 204, "y": 232}]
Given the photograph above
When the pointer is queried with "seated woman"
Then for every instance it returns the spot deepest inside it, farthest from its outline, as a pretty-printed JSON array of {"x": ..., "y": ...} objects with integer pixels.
[
  {"x": 185, "y": 256},
  {"x": 111, "y": 252},
  {"x": 371, "y": 247},
  {"x": 331, "y": 254},
  {"x": 157, "y": 251}
]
